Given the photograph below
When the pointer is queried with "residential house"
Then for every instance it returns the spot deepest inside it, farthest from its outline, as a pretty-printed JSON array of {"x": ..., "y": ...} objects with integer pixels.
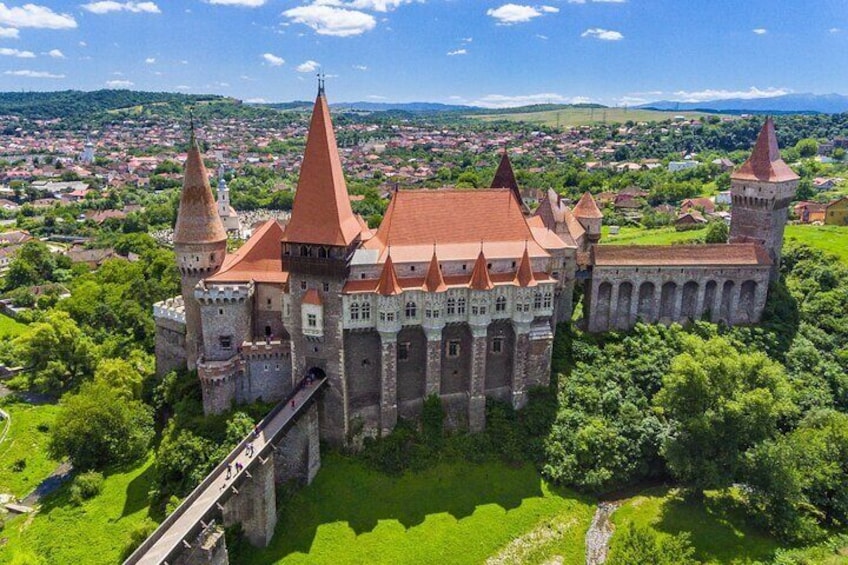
[{"x": 837, "y": 213}]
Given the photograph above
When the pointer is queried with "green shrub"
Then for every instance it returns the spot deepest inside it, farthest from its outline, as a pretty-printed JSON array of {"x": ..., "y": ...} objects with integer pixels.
[
  {"x": 85, "y": 486},
  {"x": 19, "y": 465},
  {"x": 137, "y": 536}
]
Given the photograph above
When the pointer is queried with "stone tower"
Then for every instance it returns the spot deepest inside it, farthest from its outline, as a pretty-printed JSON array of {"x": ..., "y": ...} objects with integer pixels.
[
  {"x": 761, "y": 190},
  {"x": 200, "y": 244},
  {"x": 590, "y": 217},
  {"x": 505, "y": 178},
  {"x": 318, "y": 244}
]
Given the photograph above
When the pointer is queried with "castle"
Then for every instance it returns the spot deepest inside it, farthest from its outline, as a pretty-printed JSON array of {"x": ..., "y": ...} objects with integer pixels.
[{"x": 457, "y": 293}]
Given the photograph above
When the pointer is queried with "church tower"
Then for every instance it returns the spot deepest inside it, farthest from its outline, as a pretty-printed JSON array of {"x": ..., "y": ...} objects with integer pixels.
[
  {"x": 761, "y": 190},
  {"x": 200, "y": 243},
  {"x": 318, "y": 245}
]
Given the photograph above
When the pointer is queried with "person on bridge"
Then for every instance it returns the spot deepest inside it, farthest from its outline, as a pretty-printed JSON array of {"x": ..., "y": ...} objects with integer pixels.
[{"x": 229, "y": 471}]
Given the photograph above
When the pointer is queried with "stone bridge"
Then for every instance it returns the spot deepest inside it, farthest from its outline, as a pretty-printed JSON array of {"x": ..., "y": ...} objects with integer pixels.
[{"x": 284, "y": 446}]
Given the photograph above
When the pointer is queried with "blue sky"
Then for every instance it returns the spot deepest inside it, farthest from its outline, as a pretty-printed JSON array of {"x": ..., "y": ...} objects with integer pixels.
[{"x": 493, "y": 53}]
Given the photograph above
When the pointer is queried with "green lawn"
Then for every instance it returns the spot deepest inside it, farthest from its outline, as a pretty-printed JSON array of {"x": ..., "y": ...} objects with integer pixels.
[
  {"x": 586, "y": 116},
  {"x": 26, "y": 441},
  {"x": 94, "y": 533},
  {"x": 452, "y": 513},
  {"x": 720, "y": 532},
  {"x": 830, "y": 239},
  {"x": 629, "y": 235},
  {"x": 9, "y": 327}
]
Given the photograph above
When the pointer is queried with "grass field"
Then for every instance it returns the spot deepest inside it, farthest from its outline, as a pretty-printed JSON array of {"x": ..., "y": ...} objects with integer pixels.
[
  {"x": 93, "y": 533},
  {"x": 719, "y": 531},
  {"x": 640, "y": 236},
  {"x": 586, "y": 116},
  {"x": 9, "y": 327},
  {"x": 27, "y": 442},
  {"x": 457, "y": 513}
]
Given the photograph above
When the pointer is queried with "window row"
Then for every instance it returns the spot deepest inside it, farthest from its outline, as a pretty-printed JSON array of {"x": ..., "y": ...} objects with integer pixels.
[{"x": 454, "y": 306}]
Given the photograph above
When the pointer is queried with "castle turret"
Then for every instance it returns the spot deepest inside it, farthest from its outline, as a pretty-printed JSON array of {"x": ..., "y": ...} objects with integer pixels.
[
  {"x": 200, "y": 244},
  {"x": 761, "y": 190},
  {"x": 505, "y": 178},
  {"x": 589, "y": 216}
]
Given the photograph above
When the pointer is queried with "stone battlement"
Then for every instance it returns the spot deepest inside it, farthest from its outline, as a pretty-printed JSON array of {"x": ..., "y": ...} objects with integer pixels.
[
  {"x": 221, "y": 293},
  {"x": 170, "y": 309},
  {"x": 265, "y": 349},
  {"x": 218, "y": 371}
]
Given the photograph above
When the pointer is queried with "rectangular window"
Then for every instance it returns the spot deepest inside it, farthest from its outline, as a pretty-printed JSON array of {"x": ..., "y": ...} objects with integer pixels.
[
  {"x": 403, "y": 351},
  {"x": 497, "y": 345},
  {"x": 302, "y": 285},
  {"x": 453, "y": 348},
  {"x": 537, "y": 301},
  {"x": 326, "y": 287},
  {"x": 226, "y": 342},
  {"x": 474, "y": 310},
  {"x": 312, "y": 320},
  {"x": 390, "y": 316},
  {"x": 548, "y": 300}
]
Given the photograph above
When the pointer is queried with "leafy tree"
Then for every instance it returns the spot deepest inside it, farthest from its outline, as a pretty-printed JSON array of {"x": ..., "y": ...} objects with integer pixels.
[
  {"x": 121, "y": 376},
  {"x": 717, "y": 232},
  {"x": 34, "y": 264},
  {"x": 807, "y": 147},
  {"x": 638, "y": 545},
  {"x": 718, "y": 403},
  {"x": 97, "y": 427}
]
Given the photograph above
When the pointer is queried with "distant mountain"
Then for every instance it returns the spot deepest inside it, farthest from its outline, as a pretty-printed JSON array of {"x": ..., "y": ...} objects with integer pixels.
[
  {"x": 786, "y": 104},
  {"x": 414, "y": 107}
]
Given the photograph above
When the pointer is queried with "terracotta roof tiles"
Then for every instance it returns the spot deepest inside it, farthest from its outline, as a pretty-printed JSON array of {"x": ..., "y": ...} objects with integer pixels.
[
  {"x": 586, "y": 207},
  {"x": 388, "y": 284},
  {"x": 197, "y": 219},
  {"x": 765, "y": 163},
  {"x": 716, "y": 255},
  {"x": 505, "y": 178},
  {"x": 259, "y": 259},
  {"x": 480, "y": 279},
  {"x": 434, "y": 281}
]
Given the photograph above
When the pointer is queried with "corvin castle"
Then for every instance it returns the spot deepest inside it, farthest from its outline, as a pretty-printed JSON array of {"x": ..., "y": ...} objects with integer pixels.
[{"x": 457, "y": 293}]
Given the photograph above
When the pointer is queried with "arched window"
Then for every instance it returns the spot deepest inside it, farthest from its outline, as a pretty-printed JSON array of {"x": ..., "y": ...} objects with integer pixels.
[
  {"x": 366, "y": 311},
  {"x": 322, "y": 252},
  {"x": 451, "y": 306},
  {"x": 411, "y": 309},
  {"x": 460, "y": 306},
  {"x": 305, "y": 251},
  {"x": 354, "y": 311},
  {"x": 500, "y": 304}
]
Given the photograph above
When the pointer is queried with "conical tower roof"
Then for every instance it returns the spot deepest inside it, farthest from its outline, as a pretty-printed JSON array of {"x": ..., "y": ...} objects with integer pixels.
[
  {"x": 388, "y": 285},
  {"x": 765, "y": 163},
  {"x": 197, "y": 219},
  {"x": 505, "y": 178},
  {"x": 480, "y": 279},
  {"x": 434, "y": 281},
  {"x": 321, "y": 213},
  {"x": 586, "y": 207},
  {"x": 524, "y": 276}
]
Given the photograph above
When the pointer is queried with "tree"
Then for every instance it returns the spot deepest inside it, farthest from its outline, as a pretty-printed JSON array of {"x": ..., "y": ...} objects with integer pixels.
[
  {"x": 638, "y": 545},
  {"x": 717, "y": 232},
  {"x": 807, "y": 147},
  {"x": 33, "y": 265},
  {"x": 121, "y": 377},
  {"x": 718, "y": 402},
  {"x": 97, "y": 427}
]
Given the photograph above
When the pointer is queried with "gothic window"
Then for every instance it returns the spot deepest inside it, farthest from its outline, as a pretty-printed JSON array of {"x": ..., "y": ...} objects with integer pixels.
[
  {"x": 354, "y": 311},
  {"x": 322, "y": 252},
  {"x": 537, "y": 301},
  {"x": 311, "y": 320},
  {"x": 497, "y": 345},
  {"x": 305, "y": 251},
  {"x": 411, "y": 310},
  {"x": 226, "y": 342},
  {"x": 460, "y": 306},
  {"x": 500, "y": 304},
  {"x": 366, "y": 311},
  {"x": 454, "y": 348},
  {"x": 403, "y": 351},
  {"x": 451, "y": 307}
]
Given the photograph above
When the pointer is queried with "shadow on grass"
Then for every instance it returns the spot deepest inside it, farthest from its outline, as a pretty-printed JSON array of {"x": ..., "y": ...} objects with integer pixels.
[
  {"x": 718, "y": 528},
  {"x": 137, "y": 493},
  {"x": 346, "y": 491}
]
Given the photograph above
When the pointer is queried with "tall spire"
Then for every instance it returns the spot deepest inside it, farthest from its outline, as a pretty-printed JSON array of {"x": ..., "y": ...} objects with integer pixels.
[
  {"x": 434, "y": 281},
  {"x": 321, "y": 213},
  {"x": 388, "y": 285},
  {"x": 197, "y": 219},
  {"x": 480, "y": 279},
  {"x": 505, "y": 178},
  {"x": 765, "y": 163},
  {"x": 524, "y": 275}
]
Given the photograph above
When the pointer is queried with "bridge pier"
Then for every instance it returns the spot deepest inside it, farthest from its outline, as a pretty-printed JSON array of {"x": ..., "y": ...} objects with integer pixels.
[
  {"x": 255, "y": 505},
  {"x": 210, "y": 549},
  {"x": 298, "y": 454},
  {"x": 313, "y": 456}
]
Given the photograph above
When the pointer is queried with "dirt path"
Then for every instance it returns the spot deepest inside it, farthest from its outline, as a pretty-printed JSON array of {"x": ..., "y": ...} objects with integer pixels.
[{"x": 599, "y": 533}]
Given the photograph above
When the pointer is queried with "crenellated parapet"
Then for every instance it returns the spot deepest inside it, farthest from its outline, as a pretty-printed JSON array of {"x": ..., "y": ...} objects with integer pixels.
[
  {"x": 214, "y": 293},
  {"x": 172, "y": 309},
  {"x": 265, "y": 350}
]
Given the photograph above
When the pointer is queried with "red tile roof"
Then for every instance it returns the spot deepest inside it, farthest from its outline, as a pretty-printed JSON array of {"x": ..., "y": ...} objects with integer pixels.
[
  {"x": 765, "y": 163},
  {"x": 197, "y": 219},
  {"x": 388, "y": 284},
  {"x": 321, "y": 213},
  {"x": 434, "y": 281},
  {"x": 259, "y": 259},
  {"x": 716, "y": 255},
  {"x": 312, "y": 297},
  {"x": 524, "y": 274},
  {"x": 586, "y": 207},
  {"x": 505, "y": 178},
  {"x": 480, "y": 279}
]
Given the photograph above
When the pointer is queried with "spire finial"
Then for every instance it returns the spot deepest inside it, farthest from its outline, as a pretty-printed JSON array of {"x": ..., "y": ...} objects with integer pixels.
[
  {"x": 321, "y": 78},
  {"x": 192, "y": 138}
]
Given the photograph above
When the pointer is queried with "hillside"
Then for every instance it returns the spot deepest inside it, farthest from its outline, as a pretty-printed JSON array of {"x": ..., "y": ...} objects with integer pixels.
[
  {"x": 582, "y": 115},
  {"x": 789, "y": 104}
]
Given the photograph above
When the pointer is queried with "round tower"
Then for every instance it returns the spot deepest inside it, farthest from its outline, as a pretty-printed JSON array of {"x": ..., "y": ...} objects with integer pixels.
[
  {"x": 200, "y": 244},
  {"x": 590, "y": 217}
]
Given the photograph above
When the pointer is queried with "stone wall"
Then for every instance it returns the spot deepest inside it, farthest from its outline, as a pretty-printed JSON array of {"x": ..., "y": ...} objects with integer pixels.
[
  {"x": 169, "y": 346},
  {"x": 268, "y": 371}
]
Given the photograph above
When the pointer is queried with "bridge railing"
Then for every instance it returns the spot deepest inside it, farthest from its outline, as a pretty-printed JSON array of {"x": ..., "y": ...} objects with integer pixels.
[{"x": 188, "y": 501}]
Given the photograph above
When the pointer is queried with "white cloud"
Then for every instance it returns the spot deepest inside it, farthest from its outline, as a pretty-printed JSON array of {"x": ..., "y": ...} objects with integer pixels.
[
  {"x": 56, "y": 54},
  {"x": 760, "y": 31},
  {"x": 83, "y": 44},
  {"x": 376, "y": 97},
  {"x": 273, "y": 60},
  {"x": 597, "y": 1},
  {"x": 603, "y": 34},
  {"x": 831, "y": 30},
  {"x": 509, "y": 14},
  {"x": 458, "y": 52},
  {"x": 33, "y": 74},
  {"x": 9, "y": 33},
  {"x": 329, "y": 20},
  {"x": 542, "y": 37},
  {"x": 32, "y": 15},
  {"x": 360, "y": 67},
  {"x": 119, "y": 83},
  {"x": 7, "y": 52},
  {"x": 720, "y": 94},
  {"x": 255, "y": 100},
  {"x": 308, "y": 66},
  {"x": 106, "y": 6},
  {"x": 182, "y": 87},
  {"x": 150, "y": 60},
  {"x": 244, "y": 3},
  {"x": 467, "y": 39},
  {"x": 507, "y": 101}
]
